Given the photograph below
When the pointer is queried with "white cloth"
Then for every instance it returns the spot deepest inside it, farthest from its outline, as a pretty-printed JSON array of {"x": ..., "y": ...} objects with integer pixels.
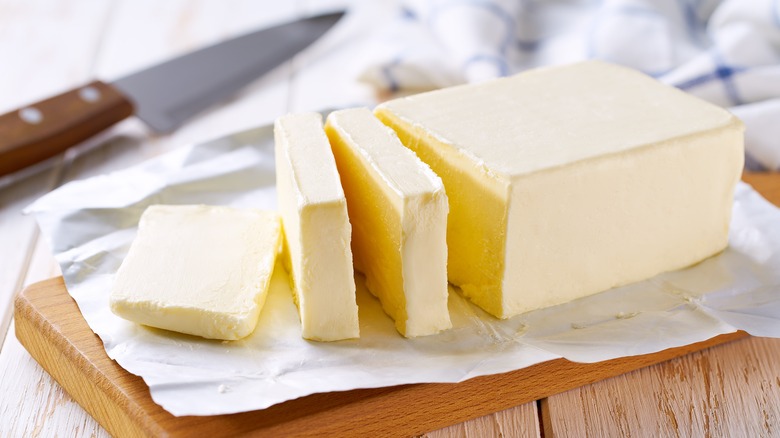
[{"x": 727, "y": 52}]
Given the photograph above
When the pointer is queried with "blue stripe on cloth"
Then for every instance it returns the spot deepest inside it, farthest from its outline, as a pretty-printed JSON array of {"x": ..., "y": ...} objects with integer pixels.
[
  {"x": 492, "y": 8},
  {"x": 408, "y": 14},
  {"x": 498, "y": 61},
  {"x": 528, "y": 12},
  {"x": 392, "y": 82},
  {"x": 658, "y": 74},
  {"x": 726, "y": 74},
  {"x": 723, "y": 72}
]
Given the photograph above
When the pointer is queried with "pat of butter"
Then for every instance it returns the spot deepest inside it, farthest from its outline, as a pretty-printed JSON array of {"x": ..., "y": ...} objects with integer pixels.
[
  {"x": 398, "y": 210},
  {"x": 571, "y": 180},
  {"x": 198, "y": 269},
  {"x": 317, "y": 232}
]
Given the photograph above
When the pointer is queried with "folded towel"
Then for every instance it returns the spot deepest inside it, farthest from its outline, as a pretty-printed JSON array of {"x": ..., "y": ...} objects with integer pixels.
[{"x": 727, "y": 52}]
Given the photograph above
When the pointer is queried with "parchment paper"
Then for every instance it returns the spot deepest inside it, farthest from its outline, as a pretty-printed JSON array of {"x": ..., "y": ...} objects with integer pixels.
[{"x": 91, "y": 223}]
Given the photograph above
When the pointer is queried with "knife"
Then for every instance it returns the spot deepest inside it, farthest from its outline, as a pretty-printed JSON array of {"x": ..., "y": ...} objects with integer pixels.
[{"x": 163, "y": 96}]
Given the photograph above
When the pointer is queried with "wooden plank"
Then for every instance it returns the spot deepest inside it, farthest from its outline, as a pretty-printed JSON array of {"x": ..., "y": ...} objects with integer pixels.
[
  {"x": 49, "y": 325},
  {"x": 17, "y": 237},
  {"x": 768, "y": 184},
  {"x": 42, "y": 264},
  {"x": 55, "y": 55},
  {"x": 36, "y": 405},
  {"x": 518, "y": 422},
  {"x": 733, "y": 390}
]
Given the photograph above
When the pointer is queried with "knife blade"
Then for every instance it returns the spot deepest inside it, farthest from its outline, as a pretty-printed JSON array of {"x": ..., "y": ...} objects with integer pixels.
[{"x": 163, "y": 96}]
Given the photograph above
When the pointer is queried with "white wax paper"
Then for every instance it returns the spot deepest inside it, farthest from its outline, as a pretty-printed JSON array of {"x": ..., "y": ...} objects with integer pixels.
[{"x": 91, "y": 223}]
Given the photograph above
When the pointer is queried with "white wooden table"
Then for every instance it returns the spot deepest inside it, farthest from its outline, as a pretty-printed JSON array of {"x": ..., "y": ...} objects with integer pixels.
[{"x": 48, "y": 46}]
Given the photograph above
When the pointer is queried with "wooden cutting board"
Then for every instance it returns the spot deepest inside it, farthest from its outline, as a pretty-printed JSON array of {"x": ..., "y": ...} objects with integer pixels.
[{"x": 51, "y": 328}]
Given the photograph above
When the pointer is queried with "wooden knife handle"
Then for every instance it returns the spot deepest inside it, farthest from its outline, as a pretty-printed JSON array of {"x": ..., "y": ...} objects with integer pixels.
[{"x": 44, "y": 129}]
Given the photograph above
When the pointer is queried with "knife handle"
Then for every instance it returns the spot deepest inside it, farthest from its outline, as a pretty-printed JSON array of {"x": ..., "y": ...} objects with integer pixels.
[{"x": 44, "y": 129}]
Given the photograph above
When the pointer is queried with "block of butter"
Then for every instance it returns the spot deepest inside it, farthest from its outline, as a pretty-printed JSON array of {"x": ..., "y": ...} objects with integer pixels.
[
  {"x": 567, "y": 181},
  {"x": 398, "y": 210},
  {"x": 198, "y": 269},
  {"x": 317, "y": 232}
]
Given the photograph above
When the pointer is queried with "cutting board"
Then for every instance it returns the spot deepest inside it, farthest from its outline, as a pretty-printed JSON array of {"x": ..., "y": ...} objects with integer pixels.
[{"x": 50, "y": 327}]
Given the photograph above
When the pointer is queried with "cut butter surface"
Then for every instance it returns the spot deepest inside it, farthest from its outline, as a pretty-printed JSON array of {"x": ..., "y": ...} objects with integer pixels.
[
  {"x": 398, "y": 210},
  {"x": 571, "y": 180},
  {"x": 198, "y": 270},
  {"x": 317, "y": 231}
]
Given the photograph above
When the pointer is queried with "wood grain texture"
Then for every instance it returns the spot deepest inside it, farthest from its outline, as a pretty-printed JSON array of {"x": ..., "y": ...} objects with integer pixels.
[
  {"x": 735, "y": 392},
  {"x": 768, "y": 184},
  {"x": 49, "y": 325},
  {"x": 36, "y": 404},
  {"x": 58, "y": 123},
  {"x": 33, "y": 403},
  {"x": 518, "y": 422}
]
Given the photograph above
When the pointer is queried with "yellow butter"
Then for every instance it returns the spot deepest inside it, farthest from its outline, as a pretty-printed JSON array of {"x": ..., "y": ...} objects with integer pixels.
[
  {"x": 198, "y": 270},
  {"x": 317, "y": 232},
  {"x": 398, "y": 210},
  {"x": 567, "y": 181}
]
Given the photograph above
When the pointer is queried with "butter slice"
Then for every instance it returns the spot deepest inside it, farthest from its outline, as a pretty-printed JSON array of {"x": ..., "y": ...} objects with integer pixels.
[
  {"x": 571, "y": 180},
  {"x": 198, "y": 270},
  {"x": 316, "y": 229},
  {"x": 398, "y": 209}
]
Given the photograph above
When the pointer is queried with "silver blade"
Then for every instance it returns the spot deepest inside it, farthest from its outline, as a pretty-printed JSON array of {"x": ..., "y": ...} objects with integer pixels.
[{"x": 167, "y": 94}]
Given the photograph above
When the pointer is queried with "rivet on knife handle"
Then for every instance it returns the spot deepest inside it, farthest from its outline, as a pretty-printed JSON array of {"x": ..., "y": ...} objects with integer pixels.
[{"x": 44, "y": 129}]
